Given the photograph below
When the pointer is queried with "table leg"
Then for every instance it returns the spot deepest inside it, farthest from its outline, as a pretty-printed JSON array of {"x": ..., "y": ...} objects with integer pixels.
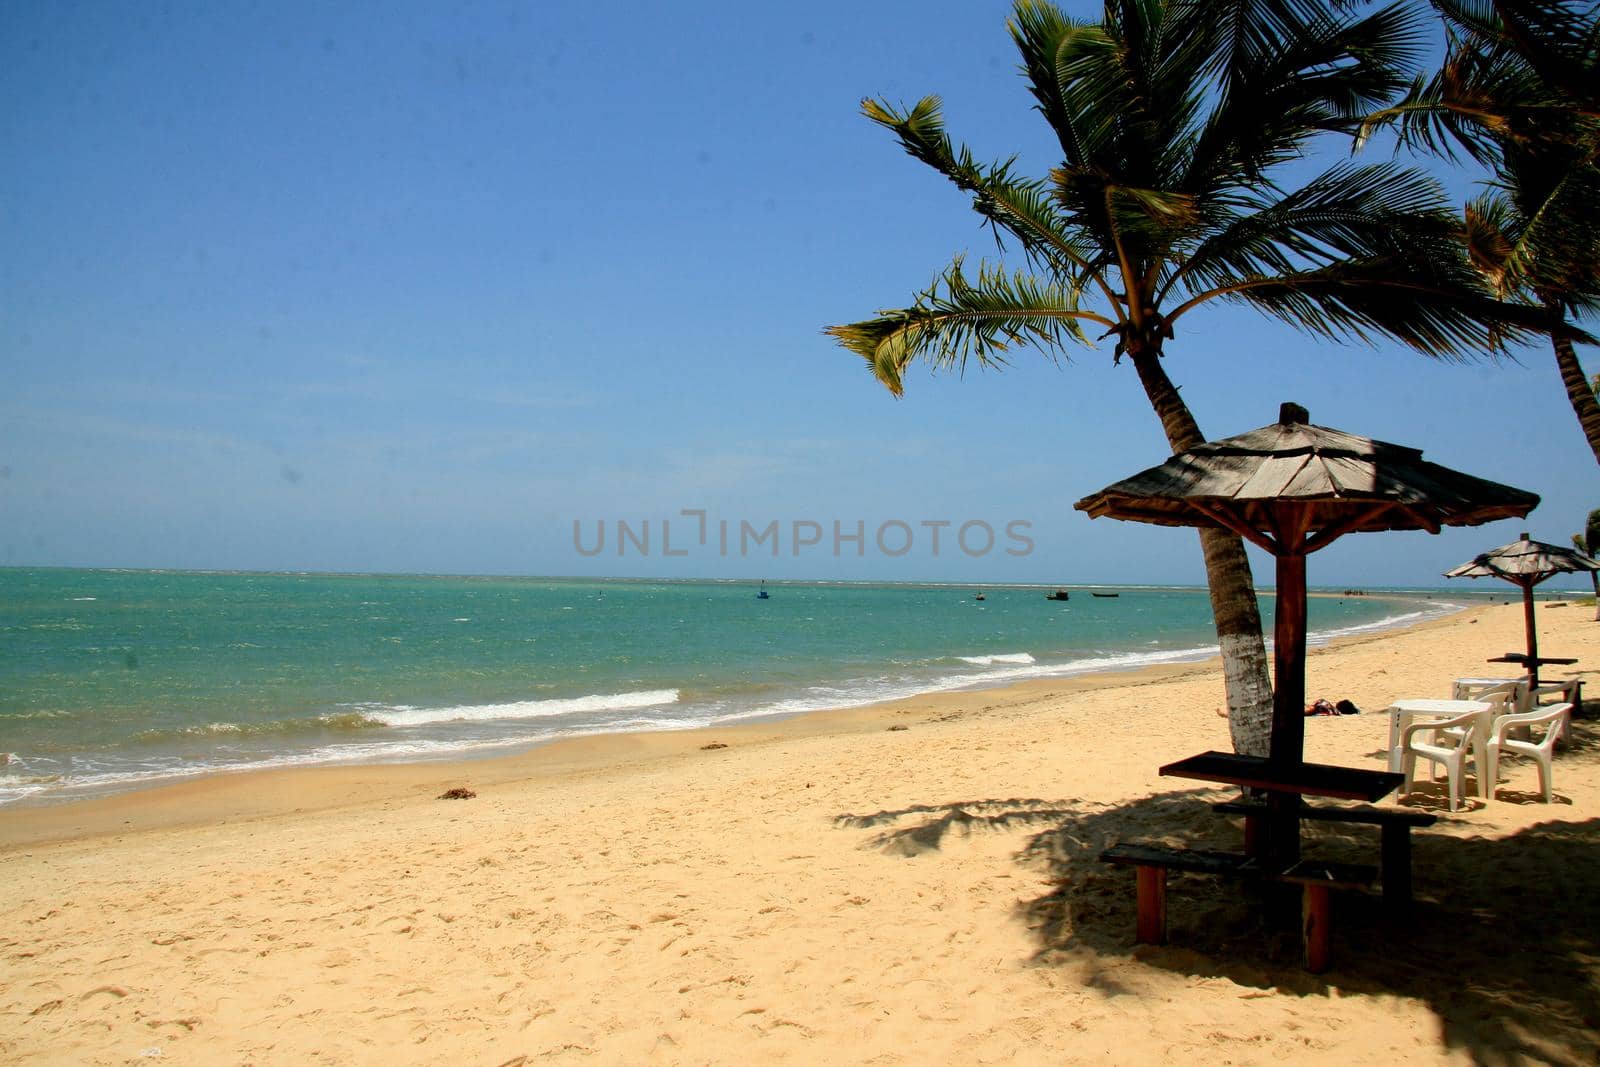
[
  {"x": 1480, "y": 753},
  {"x": 1316, "y": 913},
  {"x": 1395, "y": 726},
  {"x": 1396, "y": 853},
  {"x": 1151, "y": 898}
]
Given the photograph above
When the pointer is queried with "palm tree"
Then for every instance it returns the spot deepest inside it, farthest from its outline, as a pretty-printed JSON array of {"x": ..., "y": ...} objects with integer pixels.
[
  {"x": 1588, "y": 543},
  {"x": 1174, "y": 121},
  {"x": 1519, "y": 93}
]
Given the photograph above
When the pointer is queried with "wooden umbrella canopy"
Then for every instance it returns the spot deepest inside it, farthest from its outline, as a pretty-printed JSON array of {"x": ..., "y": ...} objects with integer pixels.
[
  {"x": 1525, "y": 563},
  {"x": 1293, "y": 488}
]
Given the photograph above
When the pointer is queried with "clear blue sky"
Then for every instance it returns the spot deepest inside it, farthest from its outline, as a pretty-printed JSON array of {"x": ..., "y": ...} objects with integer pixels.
[{"x": 412, "y": 287}]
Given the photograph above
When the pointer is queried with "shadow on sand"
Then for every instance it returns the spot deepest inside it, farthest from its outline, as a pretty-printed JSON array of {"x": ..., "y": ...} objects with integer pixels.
[{"x": 1502, "y": 942}]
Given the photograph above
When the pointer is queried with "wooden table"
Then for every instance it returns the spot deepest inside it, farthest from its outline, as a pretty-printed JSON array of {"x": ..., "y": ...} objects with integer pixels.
[
  {"x": 1298, "y": 779},
  {"x": 1532, "y": 663},
  {"x": 1525, "y": 659},
  {"x": 1284, "y": 784},
  {"x": 1278, "y": 855}
]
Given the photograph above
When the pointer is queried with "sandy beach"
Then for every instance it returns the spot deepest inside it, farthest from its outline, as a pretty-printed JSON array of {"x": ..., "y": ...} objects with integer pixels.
[{"x": 910, "y": 883}]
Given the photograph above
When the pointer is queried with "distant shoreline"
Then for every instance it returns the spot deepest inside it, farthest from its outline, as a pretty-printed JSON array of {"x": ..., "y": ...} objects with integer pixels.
[{"x": 1463, "y": 589}]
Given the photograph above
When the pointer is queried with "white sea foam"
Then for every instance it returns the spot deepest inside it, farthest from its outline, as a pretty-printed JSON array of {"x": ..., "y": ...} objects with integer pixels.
[
  {"x": 989, "y": 661},
  {"x": 1322, "y": 637},
  {"x": 14, "y": 788},
  {"x": 18, "y": 780},
  {"x": 1003, "y": 672},
  {"x": 522, "y": 709},
  {"x": 76, "y": 598}
]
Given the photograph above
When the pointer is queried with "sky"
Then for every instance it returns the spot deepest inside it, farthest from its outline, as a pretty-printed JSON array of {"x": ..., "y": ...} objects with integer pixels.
[{"x": 459, "y": 288}]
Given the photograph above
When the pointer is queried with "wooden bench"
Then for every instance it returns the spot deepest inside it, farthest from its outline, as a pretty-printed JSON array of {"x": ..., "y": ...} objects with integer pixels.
[
  {"x": 1152, "y": 862},
  {"x": 1394, "y": 848},
  {"x": 1316, "y": 879}
]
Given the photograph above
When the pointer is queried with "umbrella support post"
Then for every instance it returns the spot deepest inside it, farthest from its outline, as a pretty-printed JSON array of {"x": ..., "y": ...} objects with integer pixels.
[
  {"x": 1289, "y": 662},
  {"x": 1533, "y": 634},
  {"x": 1288, "y": 694},
  {"x": 1282, "y": 846}
]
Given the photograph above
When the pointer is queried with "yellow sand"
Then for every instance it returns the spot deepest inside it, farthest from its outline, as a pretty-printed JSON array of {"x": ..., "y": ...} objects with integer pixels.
[{"x": 914, "y": 883}]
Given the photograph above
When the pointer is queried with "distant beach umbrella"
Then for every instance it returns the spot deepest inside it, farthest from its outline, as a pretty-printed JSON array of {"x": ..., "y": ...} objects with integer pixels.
[
  {"x": 1293, "y": 488},
  {"x": 1525, "y": 563}
]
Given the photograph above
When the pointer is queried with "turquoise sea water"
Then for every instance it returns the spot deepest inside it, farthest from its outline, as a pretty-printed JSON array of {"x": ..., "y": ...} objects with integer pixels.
[{"x": 113, "y": 679}]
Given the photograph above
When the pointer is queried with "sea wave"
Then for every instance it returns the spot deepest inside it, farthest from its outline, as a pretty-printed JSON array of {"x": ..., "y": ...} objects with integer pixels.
[
  {"x": 1002, "y": 671},
  {"x": 90, "y": 776},
  {"x": 333, "y": 722},
  {"x": 15, "y": 787},
  {"x": 1004, "y": 657},
  {"x": 524, "y": 709},
  {"x": 1389, "y": 622}
]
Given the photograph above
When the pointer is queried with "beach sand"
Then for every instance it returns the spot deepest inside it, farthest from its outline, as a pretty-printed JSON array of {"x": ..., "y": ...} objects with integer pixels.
[{"x": 911, "y": 883}]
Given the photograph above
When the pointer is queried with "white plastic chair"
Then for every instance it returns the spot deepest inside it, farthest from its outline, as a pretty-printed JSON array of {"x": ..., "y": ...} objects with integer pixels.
[
  {"x": 1490, "y": 689},
  {"x": 1567, "y": 692},
  {"x": 1504, "y": 696},
  {"x": 1552, "y": 718},
  {"x": 1449, "y": 742}
]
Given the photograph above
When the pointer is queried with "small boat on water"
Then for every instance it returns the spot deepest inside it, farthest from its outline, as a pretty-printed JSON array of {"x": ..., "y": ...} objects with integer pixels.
[
  {"x": 1105, "y": 595},
  {"x": 980, "y": 596},
  {"x": 1059, "y": 594},
  {"x": 761, "y": 594}
]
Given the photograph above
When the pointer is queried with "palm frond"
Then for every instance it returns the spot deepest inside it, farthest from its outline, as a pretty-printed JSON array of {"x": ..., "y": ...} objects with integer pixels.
[
  {"x": 1437, "y": 313},
  {"x": 1020, "y": 207},
  {"x": 956, "y": 320},
  {"x": 1558, "y": 40},
  {"x": 1557, "y": 251},
  {"x": 1304, "y": 78},
  {"x": 1491, "y": 242},
  {"x": 1477, "y": 102},
  {"x": 1120, "y": 95},
  {"x": 1347, "y": 212}
]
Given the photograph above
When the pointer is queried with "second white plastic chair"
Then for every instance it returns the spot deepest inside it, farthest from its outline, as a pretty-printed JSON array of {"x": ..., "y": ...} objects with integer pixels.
[{"x": 1553, "y": 719}]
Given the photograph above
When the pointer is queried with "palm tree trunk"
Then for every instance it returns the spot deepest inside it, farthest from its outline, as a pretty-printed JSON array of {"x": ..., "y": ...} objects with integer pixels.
[
  {"x": 1579, "y": 393},
  {"x": 1233, "y": 594}
]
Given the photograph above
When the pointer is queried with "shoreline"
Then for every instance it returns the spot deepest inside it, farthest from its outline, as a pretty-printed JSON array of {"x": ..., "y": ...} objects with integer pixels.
[
  {"x": 173, "y": 727},
  {"x": 222, "y": 795}
]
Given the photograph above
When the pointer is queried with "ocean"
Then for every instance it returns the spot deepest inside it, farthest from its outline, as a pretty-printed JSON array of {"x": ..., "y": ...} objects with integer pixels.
[{"x": 112, "y": 679}]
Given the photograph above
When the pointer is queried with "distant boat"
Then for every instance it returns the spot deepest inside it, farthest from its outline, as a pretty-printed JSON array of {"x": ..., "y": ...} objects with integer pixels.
[
  {"x": 1059, "y": 594},
  {"x": 1105, "y": 594},
  {"x": 980, "y": 596},
  {"x": 761, "y": 594}
]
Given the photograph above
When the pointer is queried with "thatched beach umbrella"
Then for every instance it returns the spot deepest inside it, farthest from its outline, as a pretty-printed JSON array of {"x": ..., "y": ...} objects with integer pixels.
[
  {"x": 1525, "y": 563},
  {"x": 1293, "y": 488}
]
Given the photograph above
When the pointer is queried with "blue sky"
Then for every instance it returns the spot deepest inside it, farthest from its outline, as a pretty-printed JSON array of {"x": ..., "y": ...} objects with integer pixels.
[{"x": 415, "y": 287}]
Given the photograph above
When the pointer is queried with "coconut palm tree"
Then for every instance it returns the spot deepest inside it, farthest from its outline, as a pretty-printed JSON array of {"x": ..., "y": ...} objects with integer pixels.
[
  {"x": 1588, "y": 543},
  {"x": 1175, "y": 120},
  {"x": 1519, "y": 93}
]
